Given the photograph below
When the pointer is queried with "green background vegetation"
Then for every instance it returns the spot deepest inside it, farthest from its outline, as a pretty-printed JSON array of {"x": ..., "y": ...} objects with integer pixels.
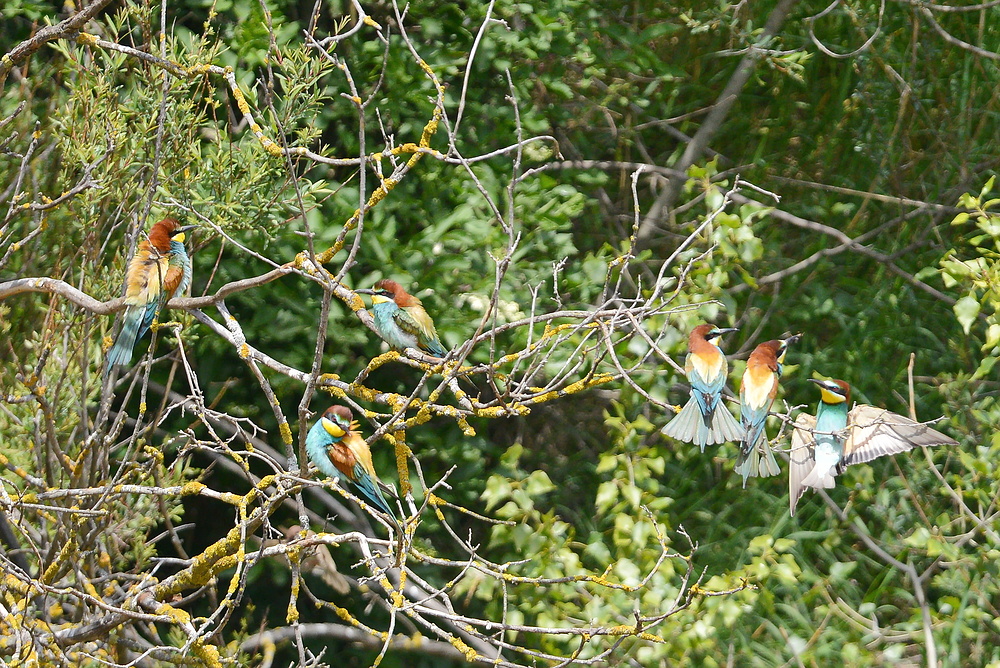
[{"x": 894, "y": 145}]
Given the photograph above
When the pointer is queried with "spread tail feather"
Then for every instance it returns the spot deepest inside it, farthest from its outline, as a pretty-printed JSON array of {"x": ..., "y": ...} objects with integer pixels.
[
  {"x": 690, "y": 427},
  {"x": 725, "y": 427},
  {"x": 750, "y": 463},
  {"x": 821, "y": 477}
]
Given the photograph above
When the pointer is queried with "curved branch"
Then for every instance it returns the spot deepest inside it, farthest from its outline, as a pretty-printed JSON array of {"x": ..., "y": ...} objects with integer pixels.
[
  {"x": 340, "y": 632},
  {"x": 62, "y": 288},
  {"x": 951, "y": 39},
  {"x": 948, "y": 9},
  {"x": 61, "y": 30},
  {"x": 846, "y": 243},
  {"x": 83, "y": 300}
]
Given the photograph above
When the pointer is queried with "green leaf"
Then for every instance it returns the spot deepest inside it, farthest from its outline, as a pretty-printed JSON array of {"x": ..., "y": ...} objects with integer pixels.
[
  {"x": 985, "y": 367},
  {"x": 607, "y": 495},
  {"x": 538, "y": 483},
  {"x": 988, "y": 186},
  {"x": 840, "y": 570},
  {"x": 966, "y": 310},
  {"x": 992, "y": 336},
  {"x": 607, "y": 463}
]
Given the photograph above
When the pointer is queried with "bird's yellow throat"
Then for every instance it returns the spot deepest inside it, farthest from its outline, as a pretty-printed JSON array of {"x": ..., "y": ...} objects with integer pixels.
[
  {"x": 831, "y": 397},
  {"x": 332, "y": 428}
]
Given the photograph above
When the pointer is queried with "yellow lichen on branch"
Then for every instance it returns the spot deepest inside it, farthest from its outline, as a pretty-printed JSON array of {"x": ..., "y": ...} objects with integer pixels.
[
  {"x": 208, "y": 654},
  {"x": 402, "y": 452},
  {"x": 286, "y": 433},
  {"x": 86, "y": 39},
  {"x": 469, "y": 653},
  {"x": 387, "y": 185}
]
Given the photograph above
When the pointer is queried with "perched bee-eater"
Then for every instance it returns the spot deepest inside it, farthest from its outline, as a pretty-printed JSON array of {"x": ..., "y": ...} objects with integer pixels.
[
  {"x": 337, "y": 449},
  {"x": 758, "y": 389},
  {"x": 401, "y": 320},
  {"x": 159, "y": 270},
  {"x": 825, "y": 445},
  {"x": 704, "y": 420}
]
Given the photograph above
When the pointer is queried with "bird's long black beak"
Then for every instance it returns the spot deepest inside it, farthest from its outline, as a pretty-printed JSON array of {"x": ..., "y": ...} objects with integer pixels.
[
  {"x": 365, "y": 291},
  {"x": 726, "y": 330},
  {"x": 794, "y": 338},
  {"x": 185, "y": 228}
]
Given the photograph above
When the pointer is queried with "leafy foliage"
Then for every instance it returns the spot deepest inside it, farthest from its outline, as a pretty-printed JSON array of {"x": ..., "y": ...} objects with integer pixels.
[{"x": 877, "y": 247}]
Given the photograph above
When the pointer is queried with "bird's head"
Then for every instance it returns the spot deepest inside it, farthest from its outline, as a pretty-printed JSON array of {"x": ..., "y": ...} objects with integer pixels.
[
  {"x": 782, "y": 347},
  {"x": 710, "y": 333},
  {"x": 165, "y": 231},
  {"x": 833, "y": 391},
  {"x": 161, "y": 232},
  {"x": 388, "y": 290},
  {"x": 338, "y": 421},
  {"x": 180, "y": 233}
]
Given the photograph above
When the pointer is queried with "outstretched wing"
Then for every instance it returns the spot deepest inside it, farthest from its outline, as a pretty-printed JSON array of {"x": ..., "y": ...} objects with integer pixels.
[
  {"x": 801, "y": 460},
  {"x": 875, "y": 432}
]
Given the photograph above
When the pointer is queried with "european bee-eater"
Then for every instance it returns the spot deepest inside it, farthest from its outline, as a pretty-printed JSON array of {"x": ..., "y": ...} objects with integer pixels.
[
  {"x": 401, "y": 320},
  {"x": 825, "y": 445},
  {"x": 758, "y": 389},
  {"x": 337, "y": 449},
  {"x": 704, "y": 420},
  {"x": 159, "y": 270}
]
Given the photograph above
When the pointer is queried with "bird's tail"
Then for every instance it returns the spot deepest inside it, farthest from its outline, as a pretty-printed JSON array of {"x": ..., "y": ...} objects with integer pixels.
[
  {"x": 821, "y": 477},
  {"x": 369, "y": 491},
  {"x": 725, "y": 427},
  {"x": 689, "y": 426},
  {"x": 750, "y": 463},
  {"x": 435, "y": 347},
  {"x": 121, "y": 352}
]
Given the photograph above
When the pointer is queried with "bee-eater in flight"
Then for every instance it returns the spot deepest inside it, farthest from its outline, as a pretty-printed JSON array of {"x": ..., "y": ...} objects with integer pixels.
[
  {"x": 758, "y": 389},
  {"x": 825, "y": 445},
  {"x": 704, "y": 420},
  {"x": 401, "y": 320},
  {"x": 337, "y": 449},
  {"x": 159, "y": 270}
]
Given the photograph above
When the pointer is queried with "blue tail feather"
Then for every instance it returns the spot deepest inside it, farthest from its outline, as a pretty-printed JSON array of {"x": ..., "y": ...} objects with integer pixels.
[
  {"x": 148, "y": 316},
  {"x": 137, "y": 321},
  {"x": 121, "y": 352},
  {"x": 754, "y": 442},
  {"x": 749, "y": 462},
  {"x": 368, "y": 490},
  {"x": 435, "y": 348},
  {"x": 725, "y": 427},
  {"x": 690, "y": 426}
]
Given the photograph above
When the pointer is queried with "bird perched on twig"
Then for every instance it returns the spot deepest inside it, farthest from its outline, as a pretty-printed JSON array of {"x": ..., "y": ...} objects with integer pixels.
[
  {"x": 704, "y": 420},
  {"x": 825, "y": 445},
  {"x": 758, "y": 389},
  {"x": 401, "y": 320},
  {"x": 337, "y": 449},
  {"x": 159, "y": 270}
]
